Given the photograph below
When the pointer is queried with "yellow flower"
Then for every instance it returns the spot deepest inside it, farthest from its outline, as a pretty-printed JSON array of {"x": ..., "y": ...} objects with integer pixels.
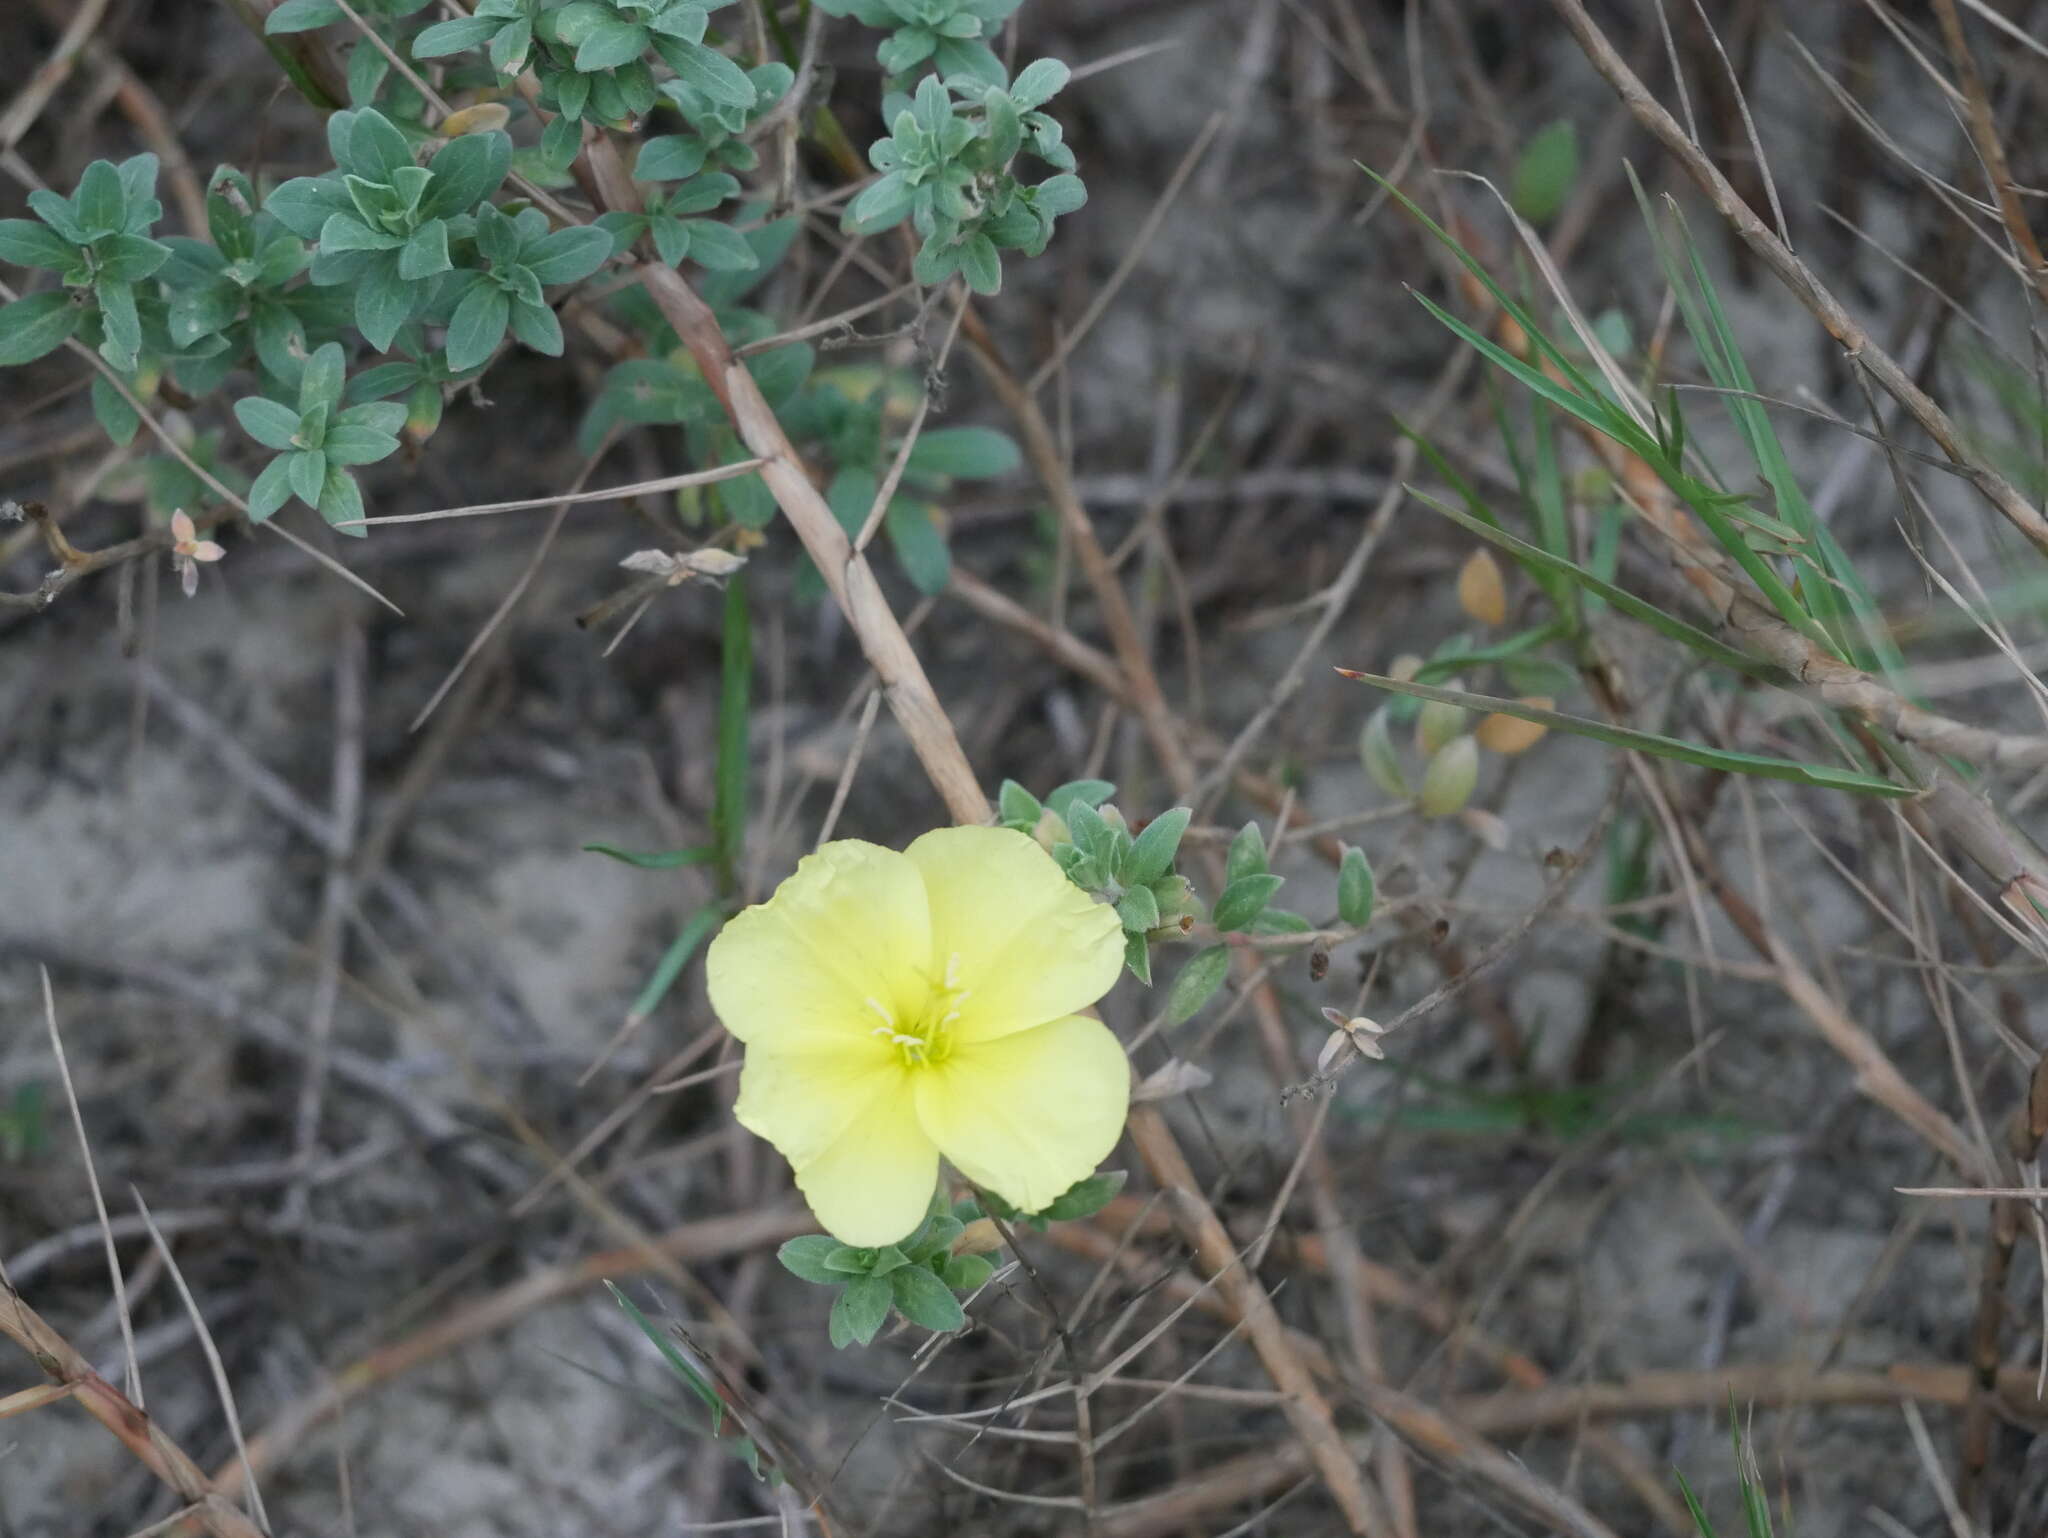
[{"x": 896, "y": 1007}]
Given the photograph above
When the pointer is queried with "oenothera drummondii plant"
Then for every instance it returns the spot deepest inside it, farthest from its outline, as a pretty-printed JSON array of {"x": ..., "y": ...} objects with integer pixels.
[{"x": 903, "y": 1011}]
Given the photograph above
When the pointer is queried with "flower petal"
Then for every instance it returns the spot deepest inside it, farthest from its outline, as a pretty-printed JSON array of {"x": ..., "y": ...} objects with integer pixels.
[
  {"x": 1026, "y": 943},
  {"x": 1029, "y": 1113},
  {"x": 837, "y": 951},
  {"x": 848, "y": 1125}
]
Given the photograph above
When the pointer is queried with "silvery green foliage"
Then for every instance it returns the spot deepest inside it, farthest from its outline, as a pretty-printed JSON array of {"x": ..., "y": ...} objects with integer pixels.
[
  {"x": 519, "y": 257},
  {"x": 948, "y": 164},
  {"x": 945, "y": 35},
  {"x": 385, "y": 226},
  {"x": 316, "y": 441},
  {"x": 97, "y": 242}
]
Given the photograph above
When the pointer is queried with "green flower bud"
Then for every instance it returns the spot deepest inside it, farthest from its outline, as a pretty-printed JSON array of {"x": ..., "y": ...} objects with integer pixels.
[
  {"x": 1448, "y": 782},
  {"x": 1436, "y": 724}
]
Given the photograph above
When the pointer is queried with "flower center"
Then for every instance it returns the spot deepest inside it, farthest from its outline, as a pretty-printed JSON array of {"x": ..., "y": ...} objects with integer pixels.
[{"x": 923, "y": 1035}]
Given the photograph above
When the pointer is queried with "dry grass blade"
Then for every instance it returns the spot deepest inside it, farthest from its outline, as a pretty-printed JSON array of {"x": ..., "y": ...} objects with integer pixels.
[{"x": 1808, "y": 289}]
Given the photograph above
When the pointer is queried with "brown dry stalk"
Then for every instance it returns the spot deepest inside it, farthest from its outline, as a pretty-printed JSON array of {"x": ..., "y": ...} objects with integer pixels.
[
  {"x": 1307, "y": 1411},
  {"x": 1863, "y": 350},
  {"x": 2024, "y": 1136},
  {"x": 1384, "y": 1286},
  {"x": 1984, "y": 135},
  {"x": 207, "y": 1502}
]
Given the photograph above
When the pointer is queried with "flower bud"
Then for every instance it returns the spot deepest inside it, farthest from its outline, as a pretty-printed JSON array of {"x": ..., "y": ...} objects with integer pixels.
[
  {"x": 978, "y": 1238},
  {"x": 1448, "y": 782},
  {"x": 1509, "y": 735},
  {"x": 422, "y": 411},
  {"x": 1482, "y": 593},
  {"x": 1110, "y": 815},
  {"x": 1051, "y": 829},
  {"x": 1437, "y": 723}
]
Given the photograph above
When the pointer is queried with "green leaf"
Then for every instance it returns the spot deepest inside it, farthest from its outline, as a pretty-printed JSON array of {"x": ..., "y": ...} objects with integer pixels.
[
  {"x": 123, "y": 327},
  {"x": 1278, "y": 921},
  {"x": 307, "y": 471},
  {"x": 301, "y": 16},
  {"x": 320, "y": 384},
  {"x": 36, "y": 325},
  {"x": 845, "y": 1260},
  {"x": 923, "y": 1299},
  {"x": 384, "y": 302},
  {"x": 560, "y": 141},
  {"x": 1138, "y": 955},
  {"x": 375, "y": 146},
  {"x": 660, "y": 859},
  {"x": 129, "y": 258},
  {"x": 304, "y": 204},
  {"x": 1091, "y": 835},
  {"x": 670, "y": 158},
  {"x": 1153, "y": 850},
  {"x": 1090, "y": 793},
  {"x": 708, "y": 70},
  {"x": 568, "y": 256},
  {"x": 1545, "y": 172},
  {"x": 113, "y": 411},
  {"x": 915, "y": 537},
  {"x": 1354, "y": 888},
  {"x": 341, "y": 502},
  {"x": 980, "y": 265},
  {"x": 537, "y": 327},
  {"x": 467, "y": 169},
  {"x": 719, "y": 248},
  {"x": 804, "y": 1256},
  {"x": 477, "y": 326},
  {"x": 457, "y": 36},
  {"x": 972, "y": 453},
  {"x": 964, "y": 1273},
  {"x": 1247, "y": 854},
  {"x": 1084, "y": 1198},
  {"x": 1197, "y": 983},
  {"x": 1824, "y": 775},
  {"x": 345, "y": 445},
  {"x": 1015, "y": 804},
  {"x": 426, "y": 253},
  {"x": 101, "y": 202},
  {"x": 1139, "y": 910},
  {"x": 859, "y": 1312},
  {"x": 272, "y": 490},
  {"x": 1037, "y": 83},
  {"x": 26, "y": 243},
  {"x": 610, "y": 43},
  {"x": 1244, "y": 900}
]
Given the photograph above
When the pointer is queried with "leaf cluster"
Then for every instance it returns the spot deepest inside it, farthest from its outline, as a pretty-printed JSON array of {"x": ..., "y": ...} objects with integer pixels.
[{"x": 917, "y": 1277}]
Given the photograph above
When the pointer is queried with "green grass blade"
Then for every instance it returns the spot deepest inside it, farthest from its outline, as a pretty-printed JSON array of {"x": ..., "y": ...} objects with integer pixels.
[
  {"x": 674, "y": 959},
  {"x": 1692, "y": 1505},
  {"x": 1530, "y": 556},
  {"x": 1725, "y": 759},
  {"x": 1538, "y": 339},
  {"x": 697, "y": 1383},
  {"x": 660, "y": 859}
]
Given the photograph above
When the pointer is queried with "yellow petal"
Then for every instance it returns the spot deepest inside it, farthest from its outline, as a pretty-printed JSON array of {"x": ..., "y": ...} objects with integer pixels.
[
  {"x": 837, "y": 951},
  {"x": 1031, "y": 1113},
  {"x": 803, "y": 1102},
  {"x": 852, "y": 1135},
  {"x": 1025, "y": 943}
]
